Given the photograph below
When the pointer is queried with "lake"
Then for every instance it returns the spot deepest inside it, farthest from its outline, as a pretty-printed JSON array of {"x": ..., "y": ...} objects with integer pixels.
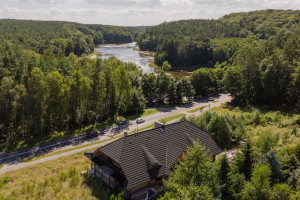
[{"x": 127, "y": 53}]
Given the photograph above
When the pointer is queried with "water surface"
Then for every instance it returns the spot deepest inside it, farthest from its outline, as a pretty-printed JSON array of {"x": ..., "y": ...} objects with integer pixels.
[{"x": 125, "y": 53}]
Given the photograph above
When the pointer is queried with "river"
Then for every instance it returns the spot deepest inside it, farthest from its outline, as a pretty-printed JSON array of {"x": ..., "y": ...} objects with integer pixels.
[{"x": 127, "y": 53}]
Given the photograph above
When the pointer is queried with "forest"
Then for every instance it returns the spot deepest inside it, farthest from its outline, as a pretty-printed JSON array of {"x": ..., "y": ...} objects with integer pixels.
[
  {"x": 44, "y": 93},
  {"x": 62, "y": 37},
  {"x": 191, "y": 44}
]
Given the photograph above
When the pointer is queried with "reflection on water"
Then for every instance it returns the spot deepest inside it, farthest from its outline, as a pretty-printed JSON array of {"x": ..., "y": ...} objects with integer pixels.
[{"x": 126, "y": 53}]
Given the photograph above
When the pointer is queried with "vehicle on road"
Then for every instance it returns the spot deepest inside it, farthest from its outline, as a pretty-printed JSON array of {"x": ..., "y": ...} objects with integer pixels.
[
  {"x": 140, "y": 120},
  {"x": 123, "y": 122},
  {"x": 211, "y": 99},
  {"x": 91, "y": 134}
]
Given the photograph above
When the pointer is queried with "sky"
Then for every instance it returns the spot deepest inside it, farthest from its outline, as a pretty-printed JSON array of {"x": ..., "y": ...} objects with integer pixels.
[{"x": 133, "y": 12}]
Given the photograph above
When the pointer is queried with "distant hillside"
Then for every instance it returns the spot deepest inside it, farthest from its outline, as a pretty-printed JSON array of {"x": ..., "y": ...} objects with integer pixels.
[
  {"x": 191, "y": 44},
  {"x": 264, "y": 23},
  {"x": 64, "y": 37}
]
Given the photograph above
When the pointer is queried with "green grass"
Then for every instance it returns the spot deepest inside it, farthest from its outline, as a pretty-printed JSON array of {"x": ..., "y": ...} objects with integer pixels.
[
  {"x": 215, "y": 101},
  {"x": 33, "y": 141},
  {"x": 55, "y": 179},
  {"x": 1, "y": 166},
  {"x": 167, "y": 119},
  {"x": 143, "y": 114},
  {"x": 196, "y": 109}
]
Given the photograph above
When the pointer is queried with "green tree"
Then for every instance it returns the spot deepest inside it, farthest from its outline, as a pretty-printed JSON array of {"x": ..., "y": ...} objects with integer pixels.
[
  {"x": 166, "y": 66},
  {"x": 162, "y": 87},
  {"x": 202, "y": 82},
  {"x": 56, "y": 100},
  {"x": 193, "y": 177},
  {"x": 220, "y": 130},
  {"x": 138, "y": 100},
  {"x": 244, "y": 160},
  {"x": 223, "y": 170},
  {"x": 149, "y": 87},
  {"x": 37, "y": 91},
  {"x": 259, "y": 187}
]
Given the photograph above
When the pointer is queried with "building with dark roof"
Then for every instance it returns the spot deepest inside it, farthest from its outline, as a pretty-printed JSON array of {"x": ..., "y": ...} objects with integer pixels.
[{"x": 138, "y": 161}]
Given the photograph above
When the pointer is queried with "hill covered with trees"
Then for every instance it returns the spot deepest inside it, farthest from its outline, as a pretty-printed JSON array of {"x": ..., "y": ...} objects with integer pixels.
[
  {"x": 190, "y": 44},
  {"x": 62, "y": 37}
]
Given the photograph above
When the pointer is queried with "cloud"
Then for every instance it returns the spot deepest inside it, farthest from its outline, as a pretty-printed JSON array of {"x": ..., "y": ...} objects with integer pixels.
[
  {"x": 133, "y": 12},
  {"x": 144, "y": 3},
  {"x": 41, "y": 1}
]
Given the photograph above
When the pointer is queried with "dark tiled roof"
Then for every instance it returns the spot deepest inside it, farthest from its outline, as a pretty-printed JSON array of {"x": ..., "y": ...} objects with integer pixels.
[{"x": 151, "y": 154}]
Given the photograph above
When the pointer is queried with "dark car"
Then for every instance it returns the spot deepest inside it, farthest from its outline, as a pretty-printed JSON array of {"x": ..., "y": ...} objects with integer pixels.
[
  {"x": 91, "y": 134},
  {"x": 123, "y": 122}
]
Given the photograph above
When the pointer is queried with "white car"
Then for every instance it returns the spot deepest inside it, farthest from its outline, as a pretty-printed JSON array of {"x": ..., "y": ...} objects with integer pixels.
[
  {"x": 211, "y": 99},
  {"x": 140, "y": 120}
]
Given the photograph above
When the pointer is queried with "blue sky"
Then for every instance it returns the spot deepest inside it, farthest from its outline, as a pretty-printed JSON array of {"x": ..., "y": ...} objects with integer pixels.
[{"x": 133, "y": 12}]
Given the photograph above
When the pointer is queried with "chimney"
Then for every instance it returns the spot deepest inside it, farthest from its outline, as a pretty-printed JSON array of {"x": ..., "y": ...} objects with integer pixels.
[
  {"x": 125, "y": 134},
  {"x": 158, "y": 125},
  {"x": 162, "y": 128}
]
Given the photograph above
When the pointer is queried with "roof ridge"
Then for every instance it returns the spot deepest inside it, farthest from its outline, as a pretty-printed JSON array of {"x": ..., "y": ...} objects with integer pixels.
[
  {"x": 119, "y": 159},
  {"x": 150, "y": 158},
  {"x": 190, "y": 139},
  {"x": 131, "y": 135}
]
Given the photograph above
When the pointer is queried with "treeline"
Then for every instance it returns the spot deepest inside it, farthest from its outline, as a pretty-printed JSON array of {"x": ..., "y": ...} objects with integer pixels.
[
  {"x": 266, "y": 73},
  {"x": 62, "y": 37},
  {"x": 190, "y": 44},
  {"x": 43, "y": 93},
  {"x": 260, "y": 73},
  {"x": 116, "y": 34}
]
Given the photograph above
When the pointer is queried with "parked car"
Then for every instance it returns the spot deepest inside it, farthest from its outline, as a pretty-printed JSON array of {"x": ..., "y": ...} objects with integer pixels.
[
  {"x": 123, "y": 122},
  {"x": 91, "y": 134},
  {"x": 211, "y": 99},
  {"x": 140, "y": 120}
]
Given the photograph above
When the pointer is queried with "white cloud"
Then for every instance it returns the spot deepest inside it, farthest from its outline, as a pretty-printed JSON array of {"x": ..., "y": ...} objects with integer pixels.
[
  {"x": 144, "y": 3},
  {"x": 133, "y": 12},
  {"x": 41, "y": 1}
]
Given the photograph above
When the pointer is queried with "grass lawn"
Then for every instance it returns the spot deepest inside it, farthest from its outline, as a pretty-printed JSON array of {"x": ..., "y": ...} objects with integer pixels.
[
  {"x": 56, "y": 179},
  {"x": 166, "y": 120},
  {"x": 17, "y": 145},
  {"x": 143, "y": 114},
  {"x": 196, "y": 109}
]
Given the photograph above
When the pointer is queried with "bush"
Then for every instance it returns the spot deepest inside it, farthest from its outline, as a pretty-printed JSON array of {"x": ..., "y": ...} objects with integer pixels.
[
  {"x": 72, "y": 171},
  {"x": 266, "y": 141},
  {"x": 281, "y": 191},
  {"x": 62, "y": 176}
]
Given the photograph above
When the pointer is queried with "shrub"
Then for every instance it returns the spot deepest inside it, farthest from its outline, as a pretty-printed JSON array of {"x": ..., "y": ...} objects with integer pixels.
[
  {"x": 72, "y": 171},
  {"x": 266, "y": 141},
  {"x": 294, "y": 178},
  {"x": 281, "y": 191},
  {"x": 62, "y": 176}
]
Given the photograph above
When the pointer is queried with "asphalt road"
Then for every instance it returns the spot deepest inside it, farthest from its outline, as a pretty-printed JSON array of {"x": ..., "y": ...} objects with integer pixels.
[{"x": 9, "y": 160}]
